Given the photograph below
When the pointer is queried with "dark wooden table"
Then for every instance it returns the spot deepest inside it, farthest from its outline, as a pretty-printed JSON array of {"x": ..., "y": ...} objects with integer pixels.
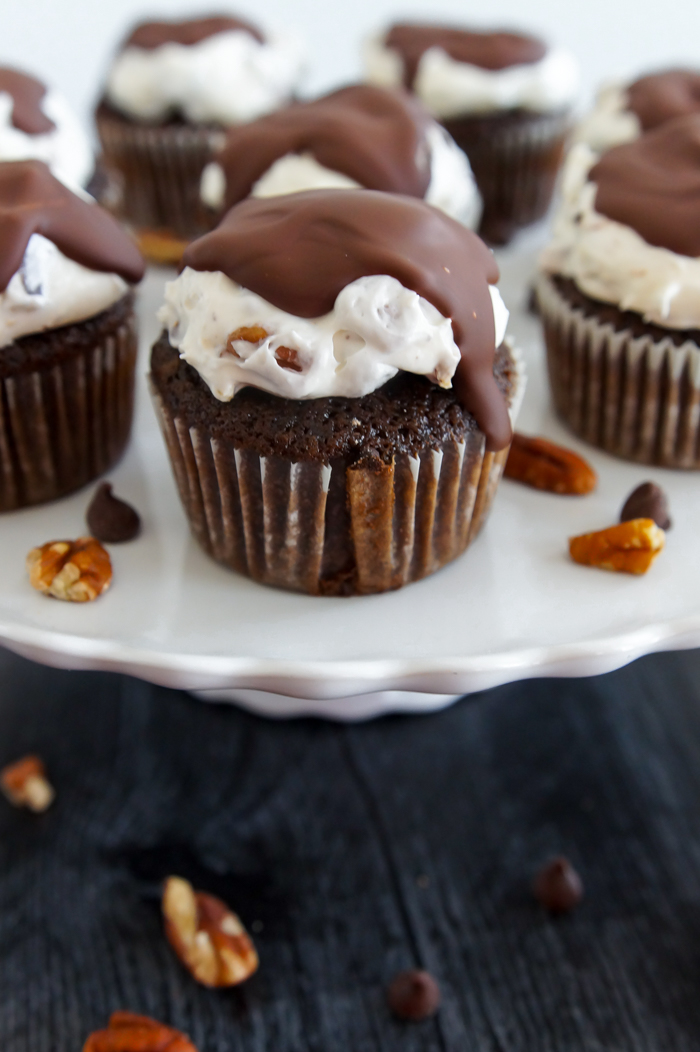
[{"x": 354, "y": 851}]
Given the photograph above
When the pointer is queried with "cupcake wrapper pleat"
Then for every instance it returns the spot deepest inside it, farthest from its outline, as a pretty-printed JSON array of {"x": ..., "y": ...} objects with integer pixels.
[
  {"x": 276, "y": 521},
  {"x": 62, "y": 426},
  {"x": 634, "y": 396}
]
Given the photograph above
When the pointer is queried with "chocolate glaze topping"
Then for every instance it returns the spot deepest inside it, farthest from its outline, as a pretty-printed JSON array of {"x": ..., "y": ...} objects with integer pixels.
[
  {"x": 662, "y": 96},
  {"x": 299, "y": 251},
  {"x": 150, "y": 35},
  {"x": 373, "y": 135},
  {"x": 487, "y": 50},
  {"x": 32, "y": 201},
  {"x": 27, "y": 93},
  {"x": 653, "y": 185}
]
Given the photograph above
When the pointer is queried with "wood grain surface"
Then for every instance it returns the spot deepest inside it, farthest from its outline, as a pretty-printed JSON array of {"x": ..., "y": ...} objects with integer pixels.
[{"x": 351, "y": 852}]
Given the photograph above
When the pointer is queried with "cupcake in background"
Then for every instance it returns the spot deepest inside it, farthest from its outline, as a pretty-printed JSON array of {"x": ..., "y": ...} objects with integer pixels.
[
  {"x": 67, "y": 336},
  {"x": 173, "y": 89},
  {"x": 36, "y": 123},
  {"x": 619, "y": 296},
  {"x": 334, "y": 389},
  {"x": 359, "y": 137},
  {"x": 623, "y": 111},
  {"x": 505, "y": 98}
]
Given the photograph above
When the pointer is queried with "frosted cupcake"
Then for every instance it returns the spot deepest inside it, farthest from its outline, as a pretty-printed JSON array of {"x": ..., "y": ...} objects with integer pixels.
[
  {"x": 67, "y": 336},
  {"x": 173, "y": 89},
  {"x": 358, "y": 137},
  {"x": 505, "y": 99},
  {"x": 334, "y": 389},
  {"x": 620, "y": 297}
]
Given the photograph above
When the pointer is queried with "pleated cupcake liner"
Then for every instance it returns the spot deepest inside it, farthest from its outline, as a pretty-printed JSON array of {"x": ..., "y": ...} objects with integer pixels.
[
  {"x": 276, "y": 521},
  {"x": 515, "y": 163},
  {"x": 63, "y": 425},
  {"x": 158, "y": 170},
  {"x": 637, "y": 397}
]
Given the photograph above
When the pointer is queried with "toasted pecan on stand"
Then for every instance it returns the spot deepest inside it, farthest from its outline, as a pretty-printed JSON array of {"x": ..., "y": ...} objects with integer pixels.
[
  {"x": 629, "y": 547},
  {"x": 544, "y": 465}
]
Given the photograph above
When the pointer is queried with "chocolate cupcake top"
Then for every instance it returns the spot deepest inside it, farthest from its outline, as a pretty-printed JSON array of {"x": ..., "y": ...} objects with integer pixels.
[
  {"x": 458, "y": 72},
  {"x": 62, "y": 257},
  {"x": 36, "y": 122},
  {"x": 332, "y": 292},
  {"x": 212, "y": 70},
  {"x": 628, "y": 231}
]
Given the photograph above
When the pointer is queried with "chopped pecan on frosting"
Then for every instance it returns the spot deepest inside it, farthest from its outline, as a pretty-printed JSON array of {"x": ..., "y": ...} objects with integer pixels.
[
  {"x": 27, "y": 94},
  {"x": 150, "y": 35}
]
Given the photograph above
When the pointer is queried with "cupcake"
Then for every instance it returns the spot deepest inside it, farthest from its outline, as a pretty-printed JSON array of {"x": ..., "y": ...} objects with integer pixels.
[
  {"x": 623, "y": 111},
  {"x": 358, "y": 137},
  {"x": 37, "y": 123},
  {"x": 334, "y": 389},
  {"x": 172, "y": 90},
  {"x": 67, "y": 336},
  {"x": 503, "y": 97},
  {"x": 619, "y": 297}
]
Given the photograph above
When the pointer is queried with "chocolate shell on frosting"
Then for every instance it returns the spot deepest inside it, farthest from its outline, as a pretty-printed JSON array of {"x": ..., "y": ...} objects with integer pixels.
[
  {"x": 299, "y": 252},
  {"x": 27, "y": 93},
  {"x": 653, "y": 185},
  {"x": 32, "y": 201},
  {"x": 373, "y": 135},
  {"x": 660, "y": 97},
  {"x": 494, "y": 51},
  {"x": 151, "y": 35}
]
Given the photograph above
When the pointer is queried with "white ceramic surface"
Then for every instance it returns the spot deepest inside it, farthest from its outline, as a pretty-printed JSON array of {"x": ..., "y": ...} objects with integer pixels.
[{"x": 513, "y": 606}]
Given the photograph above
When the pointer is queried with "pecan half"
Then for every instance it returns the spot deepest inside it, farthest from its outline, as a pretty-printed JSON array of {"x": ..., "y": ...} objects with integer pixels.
[
  {"x": 630, "y": 547},
  {"x": 25, "y": 784},
  {"x": 77, "y": 571},
  {"x": 207, "y": 937},
  {"x": 128, "y": 1032},
  {"x": 543, "y": 464}
]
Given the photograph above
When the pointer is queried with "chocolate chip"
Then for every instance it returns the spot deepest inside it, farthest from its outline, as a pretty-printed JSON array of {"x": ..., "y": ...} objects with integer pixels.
[
  {"x": 558, "y": 886},
  {"x": 109, "y": 519},
  {"x": 647, "y": 501},
  {"x": 413, "y": 995}
]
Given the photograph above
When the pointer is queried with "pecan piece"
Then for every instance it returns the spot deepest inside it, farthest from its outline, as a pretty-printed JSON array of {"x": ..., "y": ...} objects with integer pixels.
[
  {"x": 629, "y": 547},
  {"x": 129, "y": 1032},
  {"x": 25, "y": 784},
  {"x": 77, "y": 571},
  {"x": 543, "y": 464},
  {"x": 249, "y": 333},
  {"x": 288, "y": 358},
  {"x": 207, "y": 937}
]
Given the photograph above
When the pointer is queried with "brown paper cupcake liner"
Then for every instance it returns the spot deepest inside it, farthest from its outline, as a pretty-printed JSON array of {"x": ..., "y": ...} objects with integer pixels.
[
  {"x": 515, "y": 158},
  {"x": 636, "y": 396},
  {"x": 64, "y": 424},
  {"x": 277, "y": 521},
  {"x": 158, "y": 169}
]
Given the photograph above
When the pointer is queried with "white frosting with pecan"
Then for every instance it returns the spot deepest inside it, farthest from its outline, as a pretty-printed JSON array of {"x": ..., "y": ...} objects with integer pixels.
[
  {"x": 66, "y": 149},
  {"x": 610, "y": 122},
  {"x": 376, "y": 328}
]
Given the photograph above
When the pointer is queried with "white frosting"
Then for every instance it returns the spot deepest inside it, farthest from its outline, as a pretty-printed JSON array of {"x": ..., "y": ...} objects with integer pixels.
[
  {"x": 455, "y": 89},
  {"x": 609, "y": 123},
  {"x": 452, "y": 188},
  {"x": 376, "y": 328},
  {"x": 611, "y": 262},
  {"x": 66, "y": 149},
  {"x": 50, "y": 290},
  {"x": 228, "y": 78}
]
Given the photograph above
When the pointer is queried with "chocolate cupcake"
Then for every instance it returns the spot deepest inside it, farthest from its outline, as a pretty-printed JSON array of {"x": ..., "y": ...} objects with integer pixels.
[
  {"x": 623, "y": 111},
  {"x": 67, "y": 336},
  {"x": 504, "y": 98},
  {"x": 173, "y": 89},
  {"x": 360, "y": 137},
  {"x": 620, "y": 297},
  {"x": 36, "y": 123},
  {"x": 334, "y": 389}
]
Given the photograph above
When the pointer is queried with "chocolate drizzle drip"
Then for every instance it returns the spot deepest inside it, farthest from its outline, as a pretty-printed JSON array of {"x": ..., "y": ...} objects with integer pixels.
[
  {"x": 27, "y": 93},
  {"x": 299, "y": 251},
  {"x": 150, "y": 35},
  {"x": 660, "y": 97},
  {"x": 32, "y": 201},
  {"x": 373, "y": 135},
  {"x": 486, "y": 50},
  {"x": 653, "y": 185}
]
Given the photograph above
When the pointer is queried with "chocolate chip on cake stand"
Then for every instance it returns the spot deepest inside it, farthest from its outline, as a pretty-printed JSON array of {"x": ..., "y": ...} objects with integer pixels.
[
  {"x": 414, "y": 995},
  {"x": 647, "y": 501},
  {"x": 558, "y": 886},
  {"x": 110, "y": 519}
]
